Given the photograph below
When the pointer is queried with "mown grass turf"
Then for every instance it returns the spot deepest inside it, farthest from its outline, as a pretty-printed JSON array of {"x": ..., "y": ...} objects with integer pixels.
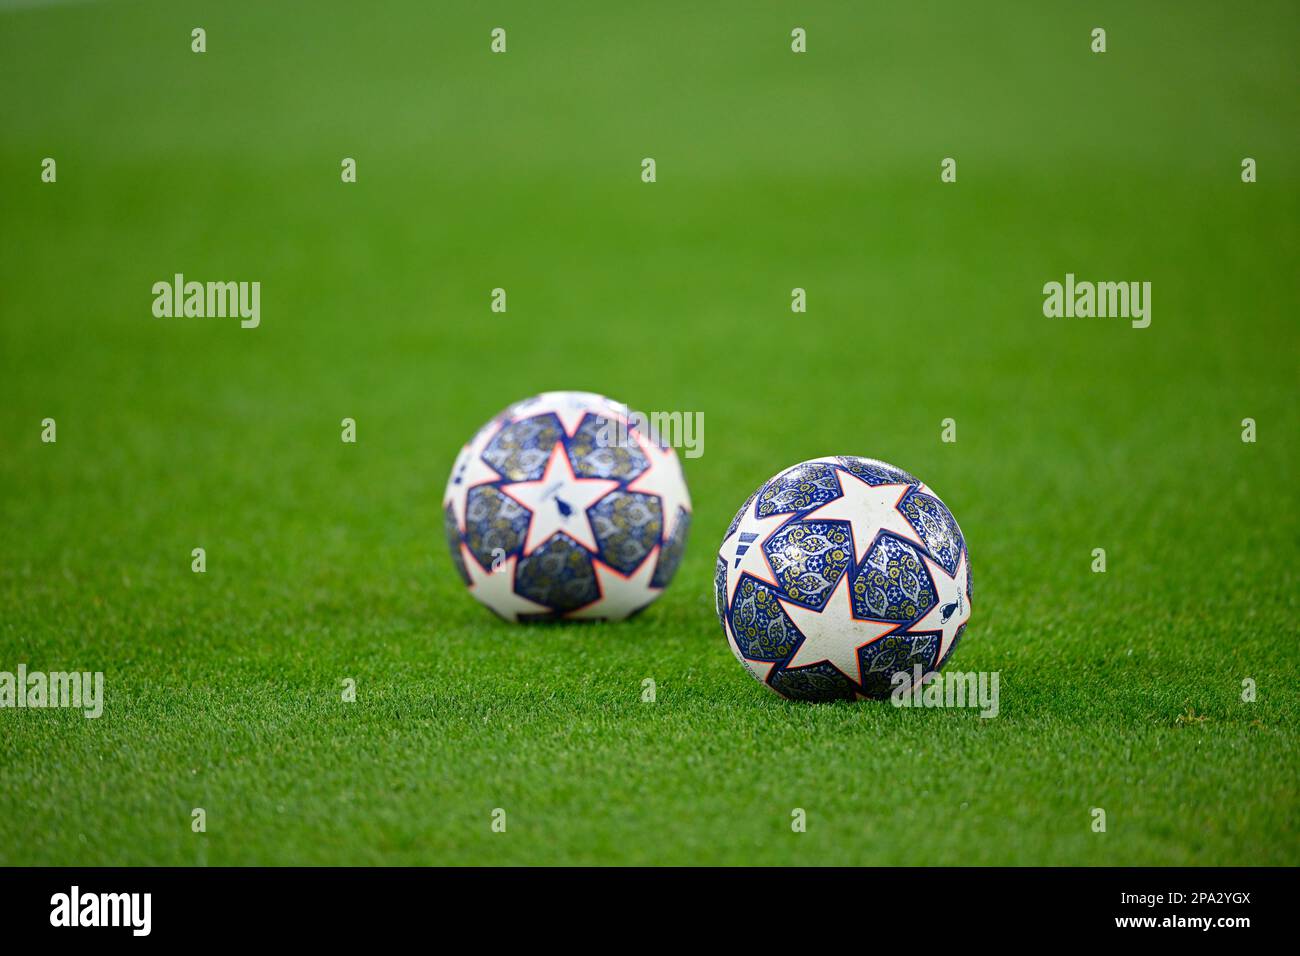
[{"x": 325, "y": 561}]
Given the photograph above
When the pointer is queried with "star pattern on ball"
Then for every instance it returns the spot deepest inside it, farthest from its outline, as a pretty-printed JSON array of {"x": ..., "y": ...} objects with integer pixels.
[
  {"x": 496, "y": 588},
  {"x": 663, "y": 480},
  {"x": 869, "y": 509},
  {"x": 469, "y": 472},
  {"x": 951, "y": 610},
  {"x": 570, "y": 408},
  {"x": 621, "y": 594},
  {"x": 824, "y": 633},
  {"x": 558, "y": 502},
  {"x": 743, "y": 550}
]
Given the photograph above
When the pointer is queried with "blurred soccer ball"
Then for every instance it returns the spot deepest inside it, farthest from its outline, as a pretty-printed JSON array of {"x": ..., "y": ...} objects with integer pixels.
[
  {"x": 561, "y": 507},
  {"x": 839, "y": 573}
]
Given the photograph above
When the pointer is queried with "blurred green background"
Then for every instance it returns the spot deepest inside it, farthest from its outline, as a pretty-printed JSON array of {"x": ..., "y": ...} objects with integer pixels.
[{"x": 775, "y": 170}]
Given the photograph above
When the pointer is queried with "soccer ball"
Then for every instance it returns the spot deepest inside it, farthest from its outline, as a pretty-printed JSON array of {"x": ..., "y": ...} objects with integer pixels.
[
  {"x": 839, "y": 573},
  {"x": 566, "y": 506}
]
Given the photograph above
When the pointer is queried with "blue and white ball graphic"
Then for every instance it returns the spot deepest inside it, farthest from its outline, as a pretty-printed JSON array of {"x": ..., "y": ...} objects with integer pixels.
[
  {"x": 839, "y": 573},
  {"x": 564, "y": 506}
]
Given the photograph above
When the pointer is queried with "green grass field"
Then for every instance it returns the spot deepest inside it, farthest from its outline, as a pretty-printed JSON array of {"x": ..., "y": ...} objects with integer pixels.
[{"x": 775, "y": 170}]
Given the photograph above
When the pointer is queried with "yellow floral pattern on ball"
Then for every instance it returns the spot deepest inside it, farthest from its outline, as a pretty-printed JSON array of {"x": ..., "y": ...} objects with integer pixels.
[
  {"x": 800, "y": 489},
  {"x": 892, "y": 584},
  {"x": 520, "y": 450},
  {"x": 762, "y": 628},
  {"x": 596, "y": 454},
  {"x": 627, "y": 526},
  {"x": 807, "y": 559}
]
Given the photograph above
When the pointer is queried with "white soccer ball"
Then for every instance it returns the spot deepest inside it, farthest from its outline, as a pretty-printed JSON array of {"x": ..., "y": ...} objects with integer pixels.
[
  {"x": 562, "y": 506},
  {"x": 839, "y": 578}
]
